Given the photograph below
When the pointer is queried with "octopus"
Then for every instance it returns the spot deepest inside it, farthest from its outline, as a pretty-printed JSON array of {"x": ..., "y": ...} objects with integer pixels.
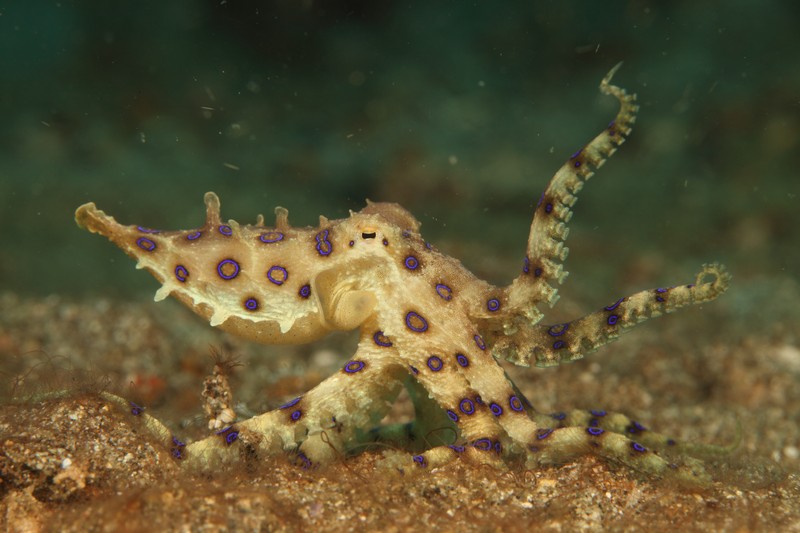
[{"x": 424, "y": 322}]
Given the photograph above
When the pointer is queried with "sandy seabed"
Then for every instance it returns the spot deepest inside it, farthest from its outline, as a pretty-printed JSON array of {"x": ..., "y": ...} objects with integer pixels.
[{"x": 76, "y": 462}]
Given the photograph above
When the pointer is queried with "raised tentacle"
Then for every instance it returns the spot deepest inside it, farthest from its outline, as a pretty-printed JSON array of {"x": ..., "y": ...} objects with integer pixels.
[
  {"x": 544, "y": 257},
  {"x": 554, "y": 344}
]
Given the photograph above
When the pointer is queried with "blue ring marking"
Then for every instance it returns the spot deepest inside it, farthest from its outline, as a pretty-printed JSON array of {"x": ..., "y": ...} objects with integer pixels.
[
  {"x": 194, "y": 236},
  {"x": 147, "y": 230},
  {"x": 291, "y": 403},
  {"x": 452, "y": 415},
  {"x": 498, "y": 447},
  {"x": 575, "y": 156},
  {"x": 145, "y": 244},
  {"x": 386, "y": 242},
  {"x": 479, "y": 342},
  {"x": 548, "y": 208},
  {"x": 598, "y": 412},
  {"x": 444, "y": 292},
  {"x": 413, "y": 369},
  {"x": 457, "y": 449},
  {"x": 307, "y": 464},
  {"x": 659, "y": 292},
  {"x": 420, "y": 460},
  {"x": 354, "y": 366},
  {"x": 493, "y": 304},
  {"x": 495, "y": 409},
  {"x": 483, "y": 445},
  {"x": 537, "y": 272},
  {"x": 462, "y": 360},
  {"x": 270, "y": 237},
  {"x": 614, "y": 305},
  {"x": 275, "y": 280},
  {"x": 515, "y": 404},
  {"x": 411, "y": 315},
  {"x": 296, "y": 415},
  {"x": 136, "y": 410},
  {"x": 543, "y": 433},
  {"x": 305, "y": 291},
  {"x": 635, "y": 428},
  {"x": 526, "y": 265},
  {"x": 435, "y": 363},
  {"x": 228, "y": 262},
  {"x": 411, "y": 262},
  {"x": 612, "y": 320},
  {"x": 638, "y": 447},
  {"x": 324, "y": 246},
  {"x": 225, "y": 230},
  {"x": 478, "y": 399},
  {"x": 177, "y": 449},
  {"x": 594, "y": 431},
  {"x": 558, "y": 416},
  {"x": 251, "y": 304},
  {"x": 229, "y": 434},
  {"x": 351, "y": 243},
  {"x": 558, "y": 345},
  {"x": 181, "y": 273},
  {"x": 381, "y": 340},
  {"x": 466, "y": 406},
  {"x": 554, "y": 330}
]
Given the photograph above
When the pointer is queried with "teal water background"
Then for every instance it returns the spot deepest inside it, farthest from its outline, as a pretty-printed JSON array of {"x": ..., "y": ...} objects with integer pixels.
[{"x": 460, "y": 111}]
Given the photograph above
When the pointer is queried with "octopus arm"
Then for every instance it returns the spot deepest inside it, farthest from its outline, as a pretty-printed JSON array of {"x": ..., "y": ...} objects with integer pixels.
[
  {"x": 543, "y": 264},
  {"x": 550, "y": 345}
]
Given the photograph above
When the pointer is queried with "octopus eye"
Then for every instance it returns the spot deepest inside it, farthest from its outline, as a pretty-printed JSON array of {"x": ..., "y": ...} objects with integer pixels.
[{"x": 370, "y": 235}]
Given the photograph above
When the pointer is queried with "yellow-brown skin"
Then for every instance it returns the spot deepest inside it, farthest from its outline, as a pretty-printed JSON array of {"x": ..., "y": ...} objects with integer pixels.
[{"x": 420, "y": 313}]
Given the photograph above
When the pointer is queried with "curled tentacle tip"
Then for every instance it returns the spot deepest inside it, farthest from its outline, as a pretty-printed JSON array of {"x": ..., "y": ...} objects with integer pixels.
[{"x": 722, "y": 278}]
